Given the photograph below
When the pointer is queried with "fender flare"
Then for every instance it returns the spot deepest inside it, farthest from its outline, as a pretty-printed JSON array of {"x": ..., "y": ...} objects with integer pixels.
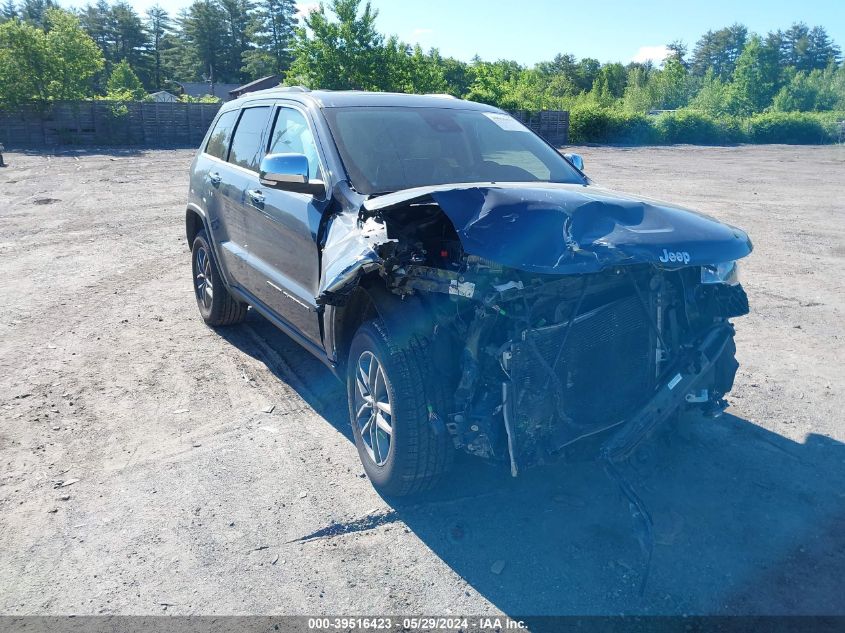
[{"x": 191, "y": 210}]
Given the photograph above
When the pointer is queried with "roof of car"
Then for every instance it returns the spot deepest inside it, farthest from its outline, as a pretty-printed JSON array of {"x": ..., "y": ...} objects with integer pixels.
[{"x": 351, "y": 98}]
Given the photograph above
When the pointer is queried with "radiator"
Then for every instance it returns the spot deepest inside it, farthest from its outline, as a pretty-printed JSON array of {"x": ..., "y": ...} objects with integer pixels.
[{"x": 605, "y": 371}]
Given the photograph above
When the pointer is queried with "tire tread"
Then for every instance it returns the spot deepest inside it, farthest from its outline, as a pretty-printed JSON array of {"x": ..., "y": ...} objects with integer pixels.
[{"x": 427, "y": 455}]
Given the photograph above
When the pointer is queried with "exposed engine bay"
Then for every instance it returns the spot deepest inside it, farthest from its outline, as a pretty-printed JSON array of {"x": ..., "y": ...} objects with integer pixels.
[{"x": 534, "y": 361}]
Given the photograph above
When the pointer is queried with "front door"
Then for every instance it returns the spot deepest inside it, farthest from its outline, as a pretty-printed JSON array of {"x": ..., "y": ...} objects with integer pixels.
[{"x": 283, "y": 253}]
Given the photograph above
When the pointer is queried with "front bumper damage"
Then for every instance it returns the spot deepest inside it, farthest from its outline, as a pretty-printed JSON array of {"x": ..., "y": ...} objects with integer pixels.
[
  {"x": 690, "y": 371},
  {"x": 551, "y": 313}
]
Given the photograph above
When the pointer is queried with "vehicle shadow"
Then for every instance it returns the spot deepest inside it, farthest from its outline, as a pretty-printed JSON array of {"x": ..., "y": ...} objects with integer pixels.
[{"x": 746, "y": 521}]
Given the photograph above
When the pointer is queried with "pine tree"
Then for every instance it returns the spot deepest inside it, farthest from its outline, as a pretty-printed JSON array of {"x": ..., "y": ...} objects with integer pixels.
[
  {"x": 237, "y": 17},
  {"x": 158, "y": 26},
  {"x": 204, "y": 33},
  {"x": 9, "y": 10},
  {"x": 33, "y": 11},
  {"x": 272, "y": 32},
  {"x": 719, "y": 50},
  {"x": 821, "y": 50},
  {"x": 131, "y": 40}
]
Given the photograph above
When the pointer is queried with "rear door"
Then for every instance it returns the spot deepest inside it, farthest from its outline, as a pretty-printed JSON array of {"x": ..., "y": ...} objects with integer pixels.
[
  {"x": 214, "y": 180},
  {"x": 238, "y": 176},
  {"x": 283, "y": 254}
]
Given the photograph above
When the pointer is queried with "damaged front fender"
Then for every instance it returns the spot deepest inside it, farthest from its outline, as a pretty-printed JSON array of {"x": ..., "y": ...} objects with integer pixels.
[{"x": 350, "y": 251}]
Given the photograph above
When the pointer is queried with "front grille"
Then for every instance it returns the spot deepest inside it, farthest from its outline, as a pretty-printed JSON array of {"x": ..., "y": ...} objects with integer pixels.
[{"x": 604, "y": 372}]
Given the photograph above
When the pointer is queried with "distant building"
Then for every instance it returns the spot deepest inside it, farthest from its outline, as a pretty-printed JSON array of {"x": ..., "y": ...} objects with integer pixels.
[
  {"x": 203, "y": 88},
  {"x": 162, "y": 96},
  {"x": 271, "y": 81}
]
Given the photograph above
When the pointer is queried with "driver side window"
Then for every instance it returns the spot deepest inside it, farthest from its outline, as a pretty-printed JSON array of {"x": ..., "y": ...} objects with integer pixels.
[{"x": 291, "y": 135}]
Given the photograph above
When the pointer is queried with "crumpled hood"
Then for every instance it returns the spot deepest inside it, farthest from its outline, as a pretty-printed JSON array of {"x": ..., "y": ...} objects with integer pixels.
[{"x": 564, "y": 229}]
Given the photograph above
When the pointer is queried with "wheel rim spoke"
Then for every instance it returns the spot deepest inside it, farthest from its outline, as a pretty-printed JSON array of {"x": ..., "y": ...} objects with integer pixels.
[
  {"x": 202, "y": 284},
  {"x": 384, "y": 407},
  {"x": 382, "y": 423},
  {"x": 373, "y": 408}
]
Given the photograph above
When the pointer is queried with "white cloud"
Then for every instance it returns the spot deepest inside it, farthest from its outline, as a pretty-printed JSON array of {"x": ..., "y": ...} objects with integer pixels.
[
  {"x": 304, "y": 8},
  {"x": 654, "y": 53}
]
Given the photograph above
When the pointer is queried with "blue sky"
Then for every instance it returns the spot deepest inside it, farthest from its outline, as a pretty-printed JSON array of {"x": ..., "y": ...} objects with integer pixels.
[{"x": 608, "y": 30}]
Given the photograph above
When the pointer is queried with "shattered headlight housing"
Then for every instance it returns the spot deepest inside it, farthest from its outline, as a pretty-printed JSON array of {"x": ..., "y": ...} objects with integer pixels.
[{"x": 725, "y": 273}]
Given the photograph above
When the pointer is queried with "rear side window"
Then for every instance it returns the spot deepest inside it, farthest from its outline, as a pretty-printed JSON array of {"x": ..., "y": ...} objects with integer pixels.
[
  {"x": 246, "y": 146},
  {"x": 218, "y": 144}
]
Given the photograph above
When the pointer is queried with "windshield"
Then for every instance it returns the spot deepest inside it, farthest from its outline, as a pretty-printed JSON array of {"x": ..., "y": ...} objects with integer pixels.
[{"x": 386, "y": 149}]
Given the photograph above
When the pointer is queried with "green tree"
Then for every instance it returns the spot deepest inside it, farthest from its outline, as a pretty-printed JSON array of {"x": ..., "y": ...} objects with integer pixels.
[
  {"x": 808, "y": 92},
  {"x": 712, "y": 97},
  {"x": 524, "y": 91},
  {"x": 238, "y": 18},
  {"x": 821, "y": 50},
  {"x": 612, "y": 78},
  {"x": 719, "y": 50},
  {"x": 639, "y": 92},
  {"x": 794, "y": 43},
  {"x": 24, "y": 63},
  {"x": 96, "y": 20},
  {"x": 601, "y": 91},
  {"x": 755, "y": 79},
  {"x": 560, "y": 76},
  {"x": 39, "y": 65},
  {"x": 35, "y": 11},
  {"x": 586, "y": 72},
  {"x": 8, "y": 11},
  {"x": 272, "y": 31},
  {"x": 338, "y": 53},
  {"x": 678, "y": 50},
  {"x": 75, "y": 55},
  {"x": 670, "y": 85},
  {"x": 493, "y": 82},
  {"x": 131, "y": 41},
  {"x": 124, "y": 84},
  {"x": 204, "y": 33},
  {"x": 121, "y": 34},
  {"x": 427, "y": 72},
  {"x": 456, "y": 75},
  {"x": 159, "y": 26}
]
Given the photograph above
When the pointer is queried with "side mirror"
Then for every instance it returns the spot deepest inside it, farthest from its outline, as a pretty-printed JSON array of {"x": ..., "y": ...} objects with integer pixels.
[
  {"x": 576, "y": 160},
  {"x": 288, "y": 172}
]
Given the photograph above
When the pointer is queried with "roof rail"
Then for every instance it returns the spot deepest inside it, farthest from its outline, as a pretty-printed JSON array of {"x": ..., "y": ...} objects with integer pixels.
[
  {"x": 295, "y": 89},
  {"x": 440, "y": 94}
]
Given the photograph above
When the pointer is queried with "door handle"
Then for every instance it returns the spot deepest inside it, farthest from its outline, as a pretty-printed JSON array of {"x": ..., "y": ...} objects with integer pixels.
[
  {"x": 215, "y": 178},
  {"x": 256, "y": 197}
]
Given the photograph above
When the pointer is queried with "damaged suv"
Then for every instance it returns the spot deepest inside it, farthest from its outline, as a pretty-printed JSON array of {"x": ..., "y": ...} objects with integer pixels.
[{"x": 473, "y": 288}]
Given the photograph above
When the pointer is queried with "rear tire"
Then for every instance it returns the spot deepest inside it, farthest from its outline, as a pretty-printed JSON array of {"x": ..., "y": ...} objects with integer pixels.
[
  {"x": 215, "y": 304},
  {"x": 413, "y": 455}
]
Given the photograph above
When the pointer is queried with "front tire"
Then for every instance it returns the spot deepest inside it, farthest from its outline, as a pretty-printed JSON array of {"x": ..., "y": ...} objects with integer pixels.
[
  {"x": 402, "y": 452},
  {"x": 215, "y": 304}
]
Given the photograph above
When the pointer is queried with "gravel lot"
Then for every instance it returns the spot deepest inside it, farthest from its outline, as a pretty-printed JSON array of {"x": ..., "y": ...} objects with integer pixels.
[{"x": 142, "y": 474}]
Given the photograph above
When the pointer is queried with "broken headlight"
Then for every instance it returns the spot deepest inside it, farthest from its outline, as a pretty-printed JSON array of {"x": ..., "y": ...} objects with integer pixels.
[{"x": 725, "y": 273}]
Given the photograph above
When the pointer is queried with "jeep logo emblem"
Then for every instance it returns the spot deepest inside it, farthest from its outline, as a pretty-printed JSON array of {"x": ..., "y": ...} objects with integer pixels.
[{"x": 674, "y": 256}]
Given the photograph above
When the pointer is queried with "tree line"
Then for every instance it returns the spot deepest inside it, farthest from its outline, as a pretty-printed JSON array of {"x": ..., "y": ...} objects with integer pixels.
[{"x": 109, "y": 49}]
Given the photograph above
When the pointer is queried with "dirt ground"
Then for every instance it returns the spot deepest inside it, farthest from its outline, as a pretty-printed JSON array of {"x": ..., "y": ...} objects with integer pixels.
[{"x": 141, "y": 473}]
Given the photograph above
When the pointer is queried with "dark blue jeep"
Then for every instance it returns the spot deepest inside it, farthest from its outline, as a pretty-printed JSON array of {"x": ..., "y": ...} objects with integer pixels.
[{"x": 467, "y": 281}]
